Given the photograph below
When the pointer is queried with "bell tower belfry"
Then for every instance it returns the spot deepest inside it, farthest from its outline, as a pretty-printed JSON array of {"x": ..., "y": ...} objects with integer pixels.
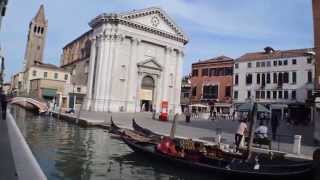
[{"x": 36, "y": 39}]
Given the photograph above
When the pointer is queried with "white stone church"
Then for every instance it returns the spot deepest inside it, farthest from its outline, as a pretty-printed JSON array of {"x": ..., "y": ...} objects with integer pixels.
[{"x": 135, "y": 62}]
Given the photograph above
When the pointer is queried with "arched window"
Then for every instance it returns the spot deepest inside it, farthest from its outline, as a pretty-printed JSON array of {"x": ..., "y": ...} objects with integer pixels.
[
  {"x": 35, "y": 29},
  {"x": 42, "y": 29},
  {"x": 147, "y": 82}
]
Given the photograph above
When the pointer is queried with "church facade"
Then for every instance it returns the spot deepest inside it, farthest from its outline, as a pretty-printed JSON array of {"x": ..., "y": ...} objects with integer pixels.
[{"x": 135, "y": 62}]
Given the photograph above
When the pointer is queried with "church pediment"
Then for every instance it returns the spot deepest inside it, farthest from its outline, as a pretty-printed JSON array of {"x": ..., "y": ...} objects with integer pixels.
[
  {"x": 155, "y": 18},
  {"x": 150, "y": 64}
]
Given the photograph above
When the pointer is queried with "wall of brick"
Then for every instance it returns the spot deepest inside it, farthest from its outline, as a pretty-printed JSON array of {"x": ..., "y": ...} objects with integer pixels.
[
  {"x": 222, "y": 81},
  {"x": 316, "y": 21}
]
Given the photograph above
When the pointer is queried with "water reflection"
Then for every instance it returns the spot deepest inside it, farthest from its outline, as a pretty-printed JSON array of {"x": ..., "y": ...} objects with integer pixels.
[{"x": 66, "y": 151}]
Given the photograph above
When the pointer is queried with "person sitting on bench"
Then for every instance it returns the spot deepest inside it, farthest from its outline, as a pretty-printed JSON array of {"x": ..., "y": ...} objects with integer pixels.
[
  {"x": 262, "y": 131},
  {"x": 261, "y": 135}
]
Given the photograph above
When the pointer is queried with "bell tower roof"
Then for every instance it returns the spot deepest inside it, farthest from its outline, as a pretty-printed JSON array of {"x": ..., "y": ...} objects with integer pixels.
[{"x": 40, "y": 16}]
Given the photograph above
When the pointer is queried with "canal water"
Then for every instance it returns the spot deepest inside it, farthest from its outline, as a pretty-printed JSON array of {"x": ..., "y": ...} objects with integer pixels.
[{"x": 67, "y": 151}]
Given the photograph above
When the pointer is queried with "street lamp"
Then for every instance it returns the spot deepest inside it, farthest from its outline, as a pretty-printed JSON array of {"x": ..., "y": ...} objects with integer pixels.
[
  {"x": 73, "y": 85},
  {"x": 74, "y": 102}
]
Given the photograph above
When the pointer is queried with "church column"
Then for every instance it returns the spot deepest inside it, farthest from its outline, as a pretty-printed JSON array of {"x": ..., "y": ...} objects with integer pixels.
[
  {"x": 165, "y": 86},
  {"x": 101, "y": 77},
  {"x": 177, "y": 85},
  {"x": 109, "y": 73},
  {"x": 91, "y": 73},
  {"x": 105, "y": 66},
  {"x": 131, "y": 83},
  {"x": 116, "y": 41},
  {"x": 157, "y": 98},
  {"x": 138, "y": 88},
  {"x": 97, "y": 80}
]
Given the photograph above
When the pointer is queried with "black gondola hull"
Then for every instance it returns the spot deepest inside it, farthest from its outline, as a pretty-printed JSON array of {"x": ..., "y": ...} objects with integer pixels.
[{"x": 305, "y": 172}]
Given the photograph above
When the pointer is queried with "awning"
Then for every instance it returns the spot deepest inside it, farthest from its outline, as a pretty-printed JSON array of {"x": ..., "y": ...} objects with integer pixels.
[
  {"x": 198, "y": 105},
  {"x": 246, "y": 107},
  {"x": 279, "y": 106},
  {"x": 222, "y": 105},
  {"x": 210, "y": 83},
  {"x": 49, "y": 92}
]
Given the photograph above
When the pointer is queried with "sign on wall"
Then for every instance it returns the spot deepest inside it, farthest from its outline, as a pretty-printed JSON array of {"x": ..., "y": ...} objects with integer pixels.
[{"x": 146, "y": 94}]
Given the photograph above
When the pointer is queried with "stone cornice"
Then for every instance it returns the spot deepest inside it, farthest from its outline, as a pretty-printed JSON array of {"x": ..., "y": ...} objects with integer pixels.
[
  {"x": 154, "y": 10},
  {"x": 117, "y": 19}
]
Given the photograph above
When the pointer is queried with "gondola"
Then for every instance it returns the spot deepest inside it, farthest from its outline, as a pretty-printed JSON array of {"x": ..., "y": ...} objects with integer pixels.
[
  {"x": 146, "y": 132},
  {"x": 230, "y": 168},
  {"x": 118, "y": 132},
  {"x": 114, "y": 129},
  {"x": 143, "y": 130}
]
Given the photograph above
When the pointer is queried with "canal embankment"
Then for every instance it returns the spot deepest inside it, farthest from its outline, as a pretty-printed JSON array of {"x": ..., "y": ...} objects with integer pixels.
[
  {"x": 7, "y": 165},
  {"x": 22, "y": 161},
  {"x": 199, "y": 129}
]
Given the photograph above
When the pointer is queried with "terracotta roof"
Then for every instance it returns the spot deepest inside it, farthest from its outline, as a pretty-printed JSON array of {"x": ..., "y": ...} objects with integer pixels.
[
  {"x": 218, "y": 59},
  {"x": 87, "y": 33},
  {"x": 48, "y": 66},
  {"x": 275, "y": 54}
]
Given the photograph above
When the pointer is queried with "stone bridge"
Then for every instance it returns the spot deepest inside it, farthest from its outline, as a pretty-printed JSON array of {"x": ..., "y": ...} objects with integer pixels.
[{"x": 30, "y": 103}]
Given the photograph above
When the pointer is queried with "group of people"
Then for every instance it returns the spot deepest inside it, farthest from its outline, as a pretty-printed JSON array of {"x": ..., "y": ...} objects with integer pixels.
[
  {"x": 169, "y": 147},
  {"x": 260, "y": 133}
]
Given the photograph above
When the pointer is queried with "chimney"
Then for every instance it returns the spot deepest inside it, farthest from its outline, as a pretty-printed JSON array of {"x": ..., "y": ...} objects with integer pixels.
[{"x": 268, "y": 50}]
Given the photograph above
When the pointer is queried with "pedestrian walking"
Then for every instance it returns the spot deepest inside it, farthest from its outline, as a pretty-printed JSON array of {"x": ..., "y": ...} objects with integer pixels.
[
  {"x": 154, "y": 114},
  {"x": 188, "y": 115},
  {"x": 233, "y": 115},
  {"x": 211, "y": 110},
  {"x": 240, "y": 133},
  {"x": 3, "y": 101},
  {"x": 274, "y": 126}
]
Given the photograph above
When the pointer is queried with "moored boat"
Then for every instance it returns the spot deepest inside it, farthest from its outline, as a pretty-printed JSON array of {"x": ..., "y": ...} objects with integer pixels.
[{"x": 262, "y": 169}]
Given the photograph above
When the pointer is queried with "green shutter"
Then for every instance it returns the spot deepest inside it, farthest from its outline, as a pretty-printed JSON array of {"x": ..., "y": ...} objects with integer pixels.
[{"x": 48, "y": 92}]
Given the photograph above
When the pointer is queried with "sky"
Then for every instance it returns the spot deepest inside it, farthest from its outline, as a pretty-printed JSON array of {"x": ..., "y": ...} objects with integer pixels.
[{"x": 214, "y": 27}]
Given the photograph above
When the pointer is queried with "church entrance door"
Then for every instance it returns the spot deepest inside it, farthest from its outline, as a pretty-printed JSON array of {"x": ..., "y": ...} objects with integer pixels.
[{"x": 147, "y": 93}]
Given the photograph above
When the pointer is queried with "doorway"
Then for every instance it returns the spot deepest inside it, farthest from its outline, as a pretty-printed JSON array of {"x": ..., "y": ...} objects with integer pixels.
[{"x": 146, "y": 93}]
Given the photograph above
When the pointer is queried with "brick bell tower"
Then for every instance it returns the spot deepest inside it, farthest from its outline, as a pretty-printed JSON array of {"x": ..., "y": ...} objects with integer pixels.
[
  {"x": 316, "y": 108},
  {"x": 36, "y": 39},
  {"x": 316, "y": 27}
]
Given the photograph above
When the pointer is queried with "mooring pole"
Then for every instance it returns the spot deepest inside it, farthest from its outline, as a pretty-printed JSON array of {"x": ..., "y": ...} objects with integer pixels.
[{"x": 252, "y": 119}]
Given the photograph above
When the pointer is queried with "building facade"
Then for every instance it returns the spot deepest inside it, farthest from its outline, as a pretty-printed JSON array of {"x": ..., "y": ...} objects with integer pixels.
[
  {"x": 316, "y": 28},
  {"x": 135, "y": 62},
  {"x": 185, "y": 97},
  {"x": 17, "y": 84},
  {"x": 36, "y": 39},
  {"x": 75, "y": 59},
  {"x": 45, "y": 81},
  {"x": 212, "y": 81},
  {"x": 282, "y": 80}
]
